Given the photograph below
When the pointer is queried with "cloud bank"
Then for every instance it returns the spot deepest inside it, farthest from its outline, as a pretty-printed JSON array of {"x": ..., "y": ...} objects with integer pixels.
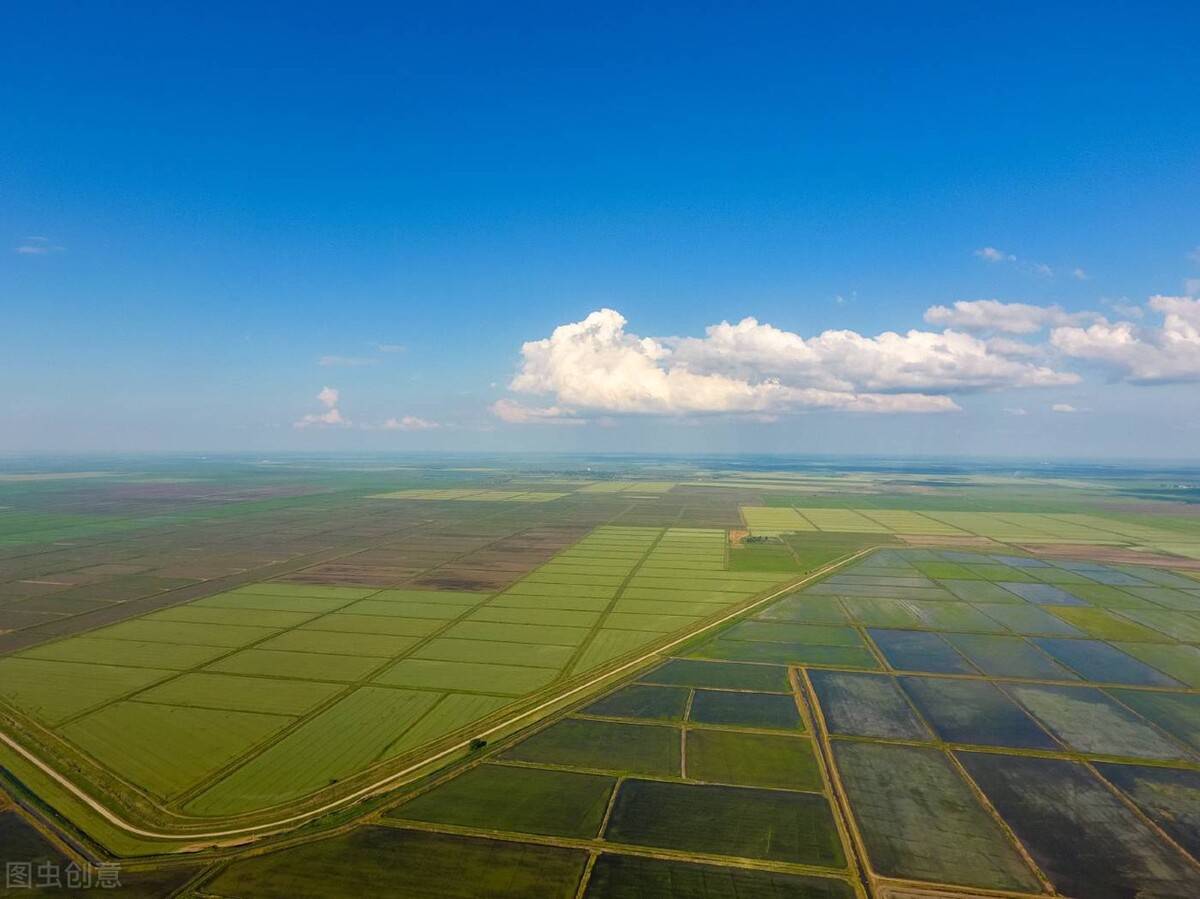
[{"x": 596, "y": 366}]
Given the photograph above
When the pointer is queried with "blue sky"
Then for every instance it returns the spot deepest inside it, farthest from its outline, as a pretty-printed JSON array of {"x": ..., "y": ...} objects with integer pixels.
[{"x": 199, "y": 204}]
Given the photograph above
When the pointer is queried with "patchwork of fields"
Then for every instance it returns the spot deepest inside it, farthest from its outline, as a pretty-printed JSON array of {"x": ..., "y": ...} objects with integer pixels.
[
  {"x": 990, "y": 702},
  {"x": 1003, "y": 527},
  {"x": 273, "y": 692},
  {"x": 988, "y": 722}
]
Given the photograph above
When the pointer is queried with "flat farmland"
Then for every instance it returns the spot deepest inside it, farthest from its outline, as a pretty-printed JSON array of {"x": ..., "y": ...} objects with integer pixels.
[
  {"x": 942, "y": 739},
  {"x": 306, "y": 686},
  {"x": 983, "y": 696}
]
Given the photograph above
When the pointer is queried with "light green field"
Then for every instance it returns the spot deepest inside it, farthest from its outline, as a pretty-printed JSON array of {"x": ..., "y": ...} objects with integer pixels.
[
  {"x": 188, "y": 743},
  {"x": 426, "y": 661}
]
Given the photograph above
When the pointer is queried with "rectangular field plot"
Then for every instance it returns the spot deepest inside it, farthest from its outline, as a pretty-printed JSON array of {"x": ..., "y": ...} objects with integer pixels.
[
  {"x": 405, "y": 863},
  {"x": 919, "y": 651},
  {"x": 1104, "y": 597},
  {"x": 968, "y": 711},
  {"x": 651, "y": 623},
  {"x": 525, "y": 800},
  {"x": 1082, "y": 836},
  {"x": 372, "y": 624},
  {"x": 920, "y": 820},
  {"x": 348, "y": 736},
  {"x": 786, "y": 653},
  {"x": 1179, "y": 661},
  {"x": 130, "y": 653},
  {"x": 752, "y": 760},
  {"x": 735, "y": 821},
  {"x": 311, "y": 605},
  {"x": 634, "y": 877},
  {"x": 518, "y": 633},
  {"x": 606, "y": 645},
  {"x": 379, "y": 646},
  {"x": 520, "y": 654},
  {"x": 603, "y": 746},
  {"x": 431, "y": 674},
  {"x": 999, "y": 656},
  {"x": 242, "y": 694},
  {"x": 1104, "y": 625},
  {"x": 773, "y": 520},
  {"x": 531, "y": 587},
  {"x": 431, "y": 610},
  {"x": 643, "y": 701},
  {"x": 165, "y": 749},
  {"x": 1176, "y": 713},
  {"x": 299, "y": 665},
  {"x": 757, "y": 711},
  {"x": 1028, "y": 620},
  {"x": 512, "y": 600},
  {"x": 902, "y": 522},
  {"x": 1170, "y": 797},
  {"x": 247, "y": 617},
  {"x": 442, "y": 597},
  {"x": 844, "y": 520},
  {"x": 866, "y": 705},
  {"x": 1177, "y": 625},
  {"x": 804, "y": 610},
  {"x": 720, "y": 676},
  {"x": 537, "y": 616},
  {"x": 1089, "y": 721},
  {"x": 310, "y": 591},
  {"x": 1101, "y": 663},
  {"x": 781, "y": 632},
  {"x": 193, "y": 634},
  {"x": 54, "y": 691}
]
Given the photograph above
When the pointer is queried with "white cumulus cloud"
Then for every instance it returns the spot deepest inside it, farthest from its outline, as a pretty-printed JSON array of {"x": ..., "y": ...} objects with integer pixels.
[
  {"x": 1142, "y": 354},
  {"x": 1063, "y": 407},
  {"x": 597, "y": 366}
]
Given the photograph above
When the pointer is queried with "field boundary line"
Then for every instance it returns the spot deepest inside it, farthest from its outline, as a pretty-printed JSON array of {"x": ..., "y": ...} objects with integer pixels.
[{"x": 398, "y": 777}]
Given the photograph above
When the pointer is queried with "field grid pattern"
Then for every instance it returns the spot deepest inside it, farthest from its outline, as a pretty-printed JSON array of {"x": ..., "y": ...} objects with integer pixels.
[
  {"x": 1003, "y": 527},
  {"x": 967, "y": 717},
  {"x": 943, "y": 694},
  {"x": 298, "y": 686}
]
